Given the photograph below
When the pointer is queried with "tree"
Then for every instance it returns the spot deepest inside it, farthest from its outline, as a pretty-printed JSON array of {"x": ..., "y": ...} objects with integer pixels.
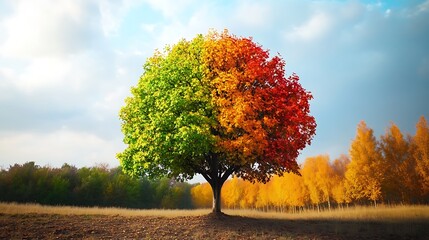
[
  {"x": 339, "y": 190},
  {"x": 232, "y": 192},
  {"x": 421, "y": 153},
  {"x": 202, "y": 195},
  {"x": 215, "y": 105},
  {"x": 319, "y": 178},
  {"x": 278, "y": 193},
  {"x": 297, "y": 192},
  {"x": 250, "y": 194},
  {"x": 263, "y": 198},
  {"x": 365, "y": 172},
  {"x": 399, "y": 184}
]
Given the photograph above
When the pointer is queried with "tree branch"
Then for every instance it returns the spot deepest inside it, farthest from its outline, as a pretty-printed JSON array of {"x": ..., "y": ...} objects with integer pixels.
[{"x": 228, "y": 172}]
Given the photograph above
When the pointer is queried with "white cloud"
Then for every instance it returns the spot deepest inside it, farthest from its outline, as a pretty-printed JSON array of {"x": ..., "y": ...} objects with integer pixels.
[
  {"x": 317, "y": 26},
  {"x": 148, "y": 27},
  {"x": 44, "y": 72},
  {"x": 253, "y": 14},
  {"x": 170, "y": 9},
  {"x": 72, "y": 63},
  {"x": 72, "y": 74},
  {"x": 40, "y": 28},
  {"x": 62, "y": 146}
]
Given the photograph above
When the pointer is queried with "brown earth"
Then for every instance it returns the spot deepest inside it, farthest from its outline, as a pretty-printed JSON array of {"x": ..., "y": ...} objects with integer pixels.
[{"x": 43, "y": 226}]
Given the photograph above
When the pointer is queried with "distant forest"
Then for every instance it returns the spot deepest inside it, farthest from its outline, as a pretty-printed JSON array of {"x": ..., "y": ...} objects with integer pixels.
[
  {"x": 95, "y": 186},
  {"x": 393, "y": 169}
]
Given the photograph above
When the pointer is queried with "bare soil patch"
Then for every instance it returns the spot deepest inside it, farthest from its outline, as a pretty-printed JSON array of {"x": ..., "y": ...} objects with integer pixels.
[{"x": 51, "y": 226}]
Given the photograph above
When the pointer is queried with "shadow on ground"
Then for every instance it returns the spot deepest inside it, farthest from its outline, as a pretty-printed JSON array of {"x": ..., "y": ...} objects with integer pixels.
[
  {"x": 317, "y": 229},
  {"x": 41, "y": 226}
]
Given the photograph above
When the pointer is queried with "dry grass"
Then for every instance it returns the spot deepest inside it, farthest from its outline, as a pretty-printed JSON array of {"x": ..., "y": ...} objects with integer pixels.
[
  {"x": 14, "y": 208},
  {"x": 380, "y": 213},
  {"x": 26, "y": 221}
]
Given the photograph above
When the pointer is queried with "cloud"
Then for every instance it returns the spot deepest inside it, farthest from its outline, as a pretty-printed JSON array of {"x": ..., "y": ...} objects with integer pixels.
[
  {"x": 253, "y": 14},
  {"x": 55, "y": 148},
  {"x": 317, "y": 26},
  {"x": 422, "y": 8},
  {"x": 46, "y": 28},
  {"x": 171, "y": 9},
  {"x": 67, "y": 66}
]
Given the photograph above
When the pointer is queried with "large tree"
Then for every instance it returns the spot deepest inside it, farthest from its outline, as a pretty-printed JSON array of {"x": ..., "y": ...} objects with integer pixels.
[{"x": 215, "y": 105}]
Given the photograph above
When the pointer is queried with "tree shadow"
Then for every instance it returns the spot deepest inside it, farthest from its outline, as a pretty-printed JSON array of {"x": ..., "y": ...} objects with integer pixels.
[{"x": 247, "y": 227}]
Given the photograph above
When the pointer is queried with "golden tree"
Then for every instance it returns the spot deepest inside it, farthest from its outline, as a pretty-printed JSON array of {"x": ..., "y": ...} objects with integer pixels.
[
  {"x": 232, "y": 192},
  {"x": 319, "y": 178},
  {"x": 250, "y": 194},
  {"x": 400, "y": 176},
  {"x": 297, "y": 193},
  {"x": 421, "y": 153},
  {"x": 365, "y": 172},
  {"x": 202, "y": 195},
  {"x": 339, "y": 167}
]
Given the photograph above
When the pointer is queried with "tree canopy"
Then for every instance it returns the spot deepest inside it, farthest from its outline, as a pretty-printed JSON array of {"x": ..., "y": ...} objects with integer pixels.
[{"x": 215, "y": 105}]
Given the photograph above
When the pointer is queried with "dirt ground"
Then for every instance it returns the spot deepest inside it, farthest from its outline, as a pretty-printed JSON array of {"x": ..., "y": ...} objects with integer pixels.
[{"x": 42, "y": 226}]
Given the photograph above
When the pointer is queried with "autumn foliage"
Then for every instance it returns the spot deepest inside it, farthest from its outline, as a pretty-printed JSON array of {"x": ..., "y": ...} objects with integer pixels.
[
  {"x": 215, "y": 105},
  {"x": 391, "y": 170},
  {"x": 259, "y": 110}
]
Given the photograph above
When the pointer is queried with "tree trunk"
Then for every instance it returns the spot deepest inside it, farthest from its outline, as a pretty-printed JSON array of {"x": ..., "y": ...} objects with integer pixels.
[
  {"x": 216, "y": 178},
  {"x": 329, "y": 204},
  {"x": 216, "y": 188}
]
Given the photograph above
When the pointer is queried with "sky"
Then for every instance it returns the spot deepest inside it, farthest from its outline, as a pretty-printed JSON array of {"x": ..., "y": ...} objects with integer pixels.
[{"x": 67, "y": 66}]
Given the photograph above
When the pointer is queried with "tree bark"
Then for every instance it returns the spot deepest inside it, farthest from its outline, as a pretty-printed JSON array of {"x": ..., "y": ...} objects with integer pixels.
[
  {"x": 216, "y": 178},
  {"x": 216, "y": 188}
]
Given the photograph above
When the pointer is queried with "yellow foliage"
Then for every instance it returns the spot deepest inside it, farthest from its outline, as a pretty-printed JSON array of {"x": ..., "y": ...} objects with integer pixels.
[{"x": 202, "y": 195}]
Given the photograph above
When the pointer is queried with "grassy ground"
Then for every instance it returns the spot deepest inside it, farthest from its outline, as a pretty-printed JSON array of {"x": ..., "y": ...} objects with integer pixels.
[
  {"x": 35, "y": 221},
  {"x": 13, "y": 208}
]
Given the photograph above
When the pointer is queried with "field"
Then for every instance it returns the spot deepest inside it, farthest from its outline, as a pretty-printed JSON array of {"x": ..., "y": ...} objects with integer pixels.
[{"x": 34, "y": 221}]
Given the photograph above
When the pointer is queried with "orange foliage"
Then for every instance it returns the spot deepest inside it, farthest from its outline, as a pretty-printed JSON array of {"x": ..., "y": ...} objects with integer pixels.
[
  {"x": 421, "y": 153},
  {"x": 263, "y": 117},
  {"x": 377, "y": 171},
  {"x": 366, "y": 170}
]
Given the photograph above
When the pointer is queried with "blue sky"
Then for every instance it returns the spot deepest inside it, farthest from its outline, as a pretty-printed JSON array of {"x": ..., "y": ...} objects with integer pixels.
[{"x": 67, "y": 66}]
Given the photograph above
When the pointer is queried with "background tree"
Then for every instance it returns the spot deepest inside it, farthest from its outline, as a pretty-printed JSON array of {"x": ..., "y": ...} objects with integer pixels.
[
  {"x": 421, "y": 154},
  {"x": 215, "y": 105},
  {"x": 399, "y": 183},
  {"x": 319, "y": 178},
  {"x": 232, "y": 192},
  {"x": 297, "y": 194},
  {"x": 339, "y": 193},
  {"x": 365, "y": 172},
  {"x": 250, "y": 194},
  {"x": 202, "y": 195},
  {"x": 263, "y": 199},
  {"x": 279, "y": 193}
]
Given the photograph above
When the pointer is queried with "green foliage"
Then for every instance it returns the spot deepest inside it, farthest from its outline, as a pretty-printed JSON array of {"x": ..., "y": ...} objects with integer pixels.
[
  {"x": 96, "y": 186},
  {"x": 168, "y": 118}
]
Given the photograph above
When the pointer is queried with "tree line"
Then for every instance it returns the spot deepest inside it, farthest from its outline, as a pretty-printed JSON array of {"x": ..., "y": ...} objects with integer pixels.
[
  {"x": 94, "y": 186},
  {"x": 393, "y": 169}
]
